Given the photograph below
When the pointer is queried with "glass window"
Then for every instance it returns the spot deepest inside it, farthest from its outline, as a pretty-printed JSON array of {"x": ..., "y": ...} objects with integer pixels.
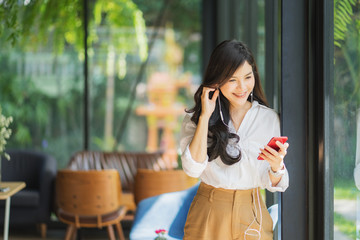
[
  {"x": 144, "y": 68},
  {"x": 144, "y": 59},
  {"x": 346, "y": 120},
  {"x": 41, "y": 78}
]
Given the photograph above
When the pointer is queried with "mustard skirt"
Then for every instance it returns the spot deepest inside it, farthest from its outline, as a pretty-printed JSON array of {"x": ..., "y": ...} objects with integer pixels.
[{"x": 221, "y": 214}]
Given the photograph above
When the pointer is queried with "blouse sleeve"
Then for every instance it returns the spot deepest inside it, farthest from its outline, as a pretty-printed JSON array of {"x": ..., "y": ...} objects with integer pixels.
[
  {"x": 190, "y": 166},
  {"x": 265, "y": 167}
]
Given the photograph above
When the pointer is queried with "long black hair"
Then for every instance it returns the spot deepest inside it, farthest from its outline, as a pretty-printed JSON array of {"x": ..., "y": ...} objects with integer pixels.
[{"x": 225, "y": 59}]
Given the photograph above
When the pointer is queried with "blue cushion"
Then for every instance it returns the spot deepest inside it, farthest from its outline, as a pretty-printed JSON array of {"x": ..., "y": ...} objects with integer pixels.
[
  {"x": 167, "y": 211},
  {"x": 274, "y": 213}
]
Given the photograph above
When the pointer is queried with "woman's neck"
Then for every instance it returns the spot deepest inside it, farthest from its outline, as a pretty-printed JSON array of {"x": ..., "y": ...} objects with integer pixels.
[{"x": 237, "y": 113}]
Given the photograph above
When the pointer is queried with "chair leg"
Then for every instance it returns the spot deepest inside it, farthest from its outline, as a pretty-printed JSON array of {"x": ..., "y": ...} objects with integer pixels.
[
  {"x": 43, "y": 229},
  {"x": 110, "y": 230},
  {"x": 70, "y": 232},
  {"x": 120, "y": 231}
]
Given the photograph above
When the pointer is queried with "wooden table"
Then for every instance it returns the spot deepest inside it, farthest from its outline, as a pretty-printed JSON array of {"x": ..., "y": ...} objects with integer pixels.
[{"x": 14, "y": 187}]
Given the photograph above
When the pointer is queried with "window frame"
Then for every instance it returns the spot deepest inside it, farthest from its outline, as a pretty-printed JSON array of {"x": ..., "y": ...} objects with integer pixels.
[{"x": 307, "y": 33}]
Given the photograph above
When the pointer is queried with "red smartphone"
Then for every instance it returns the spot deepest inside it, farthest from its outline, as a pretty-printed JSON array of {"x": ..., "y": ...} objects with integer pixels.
[{"x": 272, "y": 144}]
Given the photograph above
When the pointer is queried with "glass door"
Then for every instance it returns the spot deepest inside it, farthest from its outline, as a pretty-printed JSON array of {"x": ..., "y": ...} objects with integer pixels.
[{"x": 346, "y": 120}]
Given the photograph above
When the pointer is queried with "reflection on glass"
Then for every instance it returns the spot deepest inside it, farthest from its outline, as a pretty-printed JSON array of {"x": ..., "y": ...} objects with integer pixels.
[
  {"x": 346, "y": 131},
  {"x": 140, "y": 109},
  {"x": 41, "y": 76}
]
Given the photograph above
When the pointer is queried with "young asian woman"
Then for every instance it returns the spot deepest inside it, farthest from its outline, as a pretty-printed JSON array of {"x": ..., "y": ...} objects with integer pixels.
[{"x": 221, "y": 139}]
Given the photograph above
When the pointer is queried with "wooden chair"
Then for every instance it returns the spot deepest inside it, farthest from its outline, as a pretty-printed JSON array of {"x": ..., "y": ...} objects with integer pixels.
[
  {"x": 89, "y": 199},
  {"x": 150, "y": 183},
  {"x": 126, "y": 163}
]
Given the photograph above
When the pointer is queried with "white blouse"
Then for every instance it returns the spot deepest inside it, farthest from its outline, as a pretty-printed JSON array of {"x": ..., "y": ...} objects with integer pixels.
[{"x": 259, "y": 125}]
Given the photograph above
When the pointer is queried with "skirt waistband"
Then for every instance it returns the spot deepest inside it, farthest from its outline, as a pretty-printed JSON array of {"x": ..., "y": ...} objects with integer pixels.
[{"x": 226, "y": 195}]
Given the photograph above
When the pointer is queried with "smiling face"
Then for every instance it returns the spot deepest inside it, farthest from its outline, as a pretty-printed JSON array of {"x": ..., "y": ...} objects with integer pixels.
[{"x": 239, "y": 86}]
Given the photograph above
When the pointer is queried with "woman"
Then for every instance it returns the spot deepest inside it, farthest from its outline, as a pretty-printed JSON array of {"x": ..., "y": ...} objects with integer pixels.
[{"x": 222, "y": 137}]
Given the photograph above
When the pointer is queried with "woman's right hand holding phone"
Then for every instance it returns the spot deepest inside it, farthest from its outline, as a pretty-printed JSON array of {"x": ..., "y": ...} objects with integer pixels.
[{"x": 208, "y": 104}]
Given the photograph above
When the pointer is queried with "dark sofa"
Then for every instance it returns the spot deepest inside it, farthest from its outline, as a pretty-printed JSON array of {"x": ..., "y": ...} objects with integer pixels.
[{"x": 33, "y": 204}]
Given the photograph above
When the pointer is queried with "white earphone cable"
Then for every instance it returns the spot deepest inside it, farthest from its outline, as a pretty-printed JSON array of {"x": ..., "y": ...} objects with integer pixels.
[
  {"x": 221, "y": 114},
  {"x": 252, "y": 231}
]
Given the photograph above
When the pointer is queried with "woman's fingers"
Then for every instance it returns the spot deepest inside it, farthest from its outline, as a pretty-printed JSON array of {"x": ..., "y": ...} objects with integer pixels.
[
  {"x": 215, "y": 96},
  {"x": 207, "y": 90},
  {"x": 271, "y": 154},
  {"x": 268, "y": 153},
  {"x": 283, "y": 148},
  {"x": 276, "y": 162},
  {"x": 208, "y": 105},
  {"x": 282, "y": 145},
  {"x": 275, "y": 158}
]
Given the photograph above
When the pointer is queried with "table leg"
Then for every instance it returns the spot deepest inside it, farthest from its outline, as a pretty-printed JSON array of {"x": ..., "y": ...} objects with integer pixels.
[{"x": 6, "y": 221}]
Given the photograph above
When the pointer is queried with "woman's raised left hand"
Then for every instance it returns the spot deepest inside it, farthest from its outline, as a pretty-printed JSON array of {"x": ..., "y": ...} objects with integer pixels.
[{"x": 275, "y": 158}]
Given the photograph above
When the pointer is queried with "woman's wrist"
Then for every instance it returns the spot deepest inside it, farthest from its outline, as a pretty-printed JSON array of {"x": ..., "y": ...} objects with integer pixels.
[
  {"x": 204, "y": 117},
  {"x": 278, "y": 168}
]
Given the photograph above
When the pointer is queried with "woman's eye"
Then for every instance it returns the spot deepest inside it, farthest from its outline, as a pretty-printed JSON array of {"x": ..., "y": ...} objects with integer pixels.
[{"x": 232, "y": 80}]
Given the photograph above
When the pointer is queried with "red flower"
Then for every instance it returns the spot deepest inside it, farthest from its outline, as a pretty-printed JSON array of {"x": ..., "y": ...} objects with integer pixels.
[{"x": 160, "y": 231}]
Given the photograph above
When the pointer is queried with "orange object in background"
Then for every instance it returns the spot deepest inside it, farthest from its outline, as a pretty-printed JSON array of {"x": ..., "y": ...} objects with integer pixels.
[{"x": 161, "y": 113}]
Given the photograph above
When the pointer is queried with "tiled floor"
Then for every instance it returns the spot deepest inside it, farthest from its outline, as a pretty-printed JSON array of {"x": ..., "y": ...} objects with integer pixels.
[{"x": 56, "y": 231}]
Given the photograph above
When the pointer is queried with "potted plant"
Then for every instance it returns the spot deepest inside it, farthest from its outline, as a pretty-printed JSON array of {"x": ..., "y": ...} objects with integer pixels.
[
  {"x": 5, "y": 133},
  {"x": 161, "y": 234}
]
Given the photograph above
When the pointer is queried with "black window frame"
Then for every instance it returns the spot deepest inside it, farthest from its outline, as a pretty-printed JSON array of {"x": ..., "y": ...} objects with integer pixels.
[{"x": 307, "y": 69}]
